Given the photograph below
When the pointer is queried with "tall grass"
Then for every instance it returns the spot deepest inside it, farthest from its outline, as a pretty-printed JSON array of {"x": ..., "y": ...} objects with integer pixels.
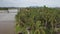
[{"x": 38, "y": 20}]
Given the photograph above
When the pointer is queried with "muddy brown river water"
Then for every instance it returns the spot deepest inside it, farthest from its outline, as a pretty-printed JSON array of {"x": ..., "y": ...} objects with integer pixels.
[
  {"x": 7, "y": 23},
  {"x": 7, "y": 27}
]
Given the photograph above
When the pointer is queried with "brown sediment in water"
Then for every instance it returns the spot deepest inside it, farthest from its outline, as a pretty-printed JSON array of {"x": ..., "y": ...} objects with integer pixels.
[
  {"x": 7, "y": 27},
  {"x": 7, "y": 22}
]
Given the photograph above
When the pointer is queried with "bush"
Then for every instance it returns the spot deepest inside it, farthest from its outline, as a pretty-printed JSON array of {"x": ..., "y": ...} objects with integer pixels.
[{"x": 41, "y": 20}]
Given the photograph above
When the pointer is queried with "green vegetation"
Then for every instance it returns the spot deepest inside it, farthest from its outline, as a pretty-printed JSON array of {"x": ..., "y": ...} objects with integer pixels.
[
  {"x": 3, "y": 8},
  {"x": 38, "y": 20}
]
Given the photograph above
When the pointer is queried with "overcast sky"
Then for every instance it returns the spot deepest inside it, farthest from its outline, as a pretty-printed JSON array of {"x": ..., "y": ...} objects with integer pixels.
[{"x": 25, "y": 3}]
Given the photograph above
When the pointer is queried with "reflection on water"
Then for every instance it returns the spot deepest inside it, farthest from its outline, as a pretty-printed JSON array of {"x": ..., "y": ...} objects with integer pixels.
[
  {"x": 4, "y": 16},
  {"x": 7, "y": 16}
]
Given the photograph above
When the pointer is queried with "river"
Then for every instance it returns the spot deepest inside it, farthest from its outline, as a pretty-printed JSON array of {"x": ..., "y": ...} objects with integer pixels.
[{"x": 7, "y": 23}]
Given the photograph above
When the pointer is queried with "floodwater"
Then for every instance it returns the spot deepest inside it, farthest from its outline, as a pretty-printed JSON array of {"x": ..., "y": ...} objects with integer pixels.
[
  {"x": 7, "y": 23},
  {"x": 7, "y": 16},
  {"x": 7, "y": 27}
]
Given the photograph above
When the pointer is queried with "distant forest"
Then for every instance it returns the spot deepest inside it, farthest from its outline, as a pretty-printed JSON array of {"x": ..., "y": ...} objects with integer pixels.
[
  {"x": 3, "y": 8},
  {"x": 6, "y": 8}
]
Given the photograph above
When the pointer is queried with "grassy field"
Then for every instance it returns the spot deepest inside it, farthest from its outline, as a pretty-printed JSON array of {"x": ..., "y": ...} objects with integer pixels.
[{"x": 38, "y": 20}]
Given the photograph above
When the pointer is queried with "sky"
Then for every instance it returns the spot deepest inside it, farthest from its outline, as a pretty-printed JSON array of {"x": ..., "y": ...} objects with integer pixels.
[{"x": 26, "y": 3}]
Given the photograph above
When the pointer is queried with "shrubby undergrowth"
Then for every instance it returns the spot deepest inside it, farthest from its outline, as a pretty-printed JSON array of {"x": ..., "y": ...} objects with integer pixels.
[{"x": 38, "y": 20}]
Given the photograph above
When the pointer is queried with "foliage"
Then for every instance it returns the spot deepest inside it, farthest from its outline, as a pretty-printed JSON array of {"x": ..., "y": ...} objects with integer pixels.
[
  {"x": 3, "y": 8},
  {"x": 40, "y": 20}
]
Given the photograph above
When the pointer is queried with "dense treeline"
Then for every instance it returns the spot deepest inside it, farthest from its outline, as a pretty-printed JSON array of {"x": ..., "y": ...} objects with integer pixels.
[
  {"x": 38, "y": 20},
  {"x": 3, "y": 8}
]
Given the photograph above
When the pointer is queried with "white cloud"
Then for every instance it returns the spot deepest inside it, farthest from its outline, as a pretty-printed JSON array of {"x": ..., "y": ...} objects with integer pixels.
[{"x": 20, "y": 3}]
